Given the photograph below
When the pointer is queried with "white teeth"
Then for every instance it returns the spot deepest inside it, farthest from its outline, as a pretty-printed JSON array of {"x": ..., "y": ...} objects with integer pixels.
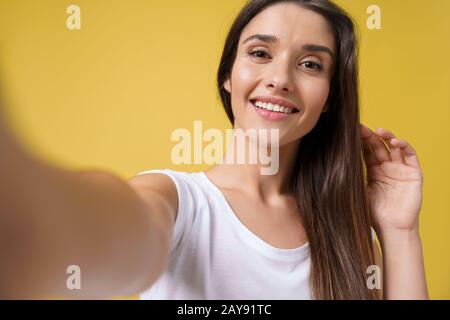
[{"x": 273, "y": 107}]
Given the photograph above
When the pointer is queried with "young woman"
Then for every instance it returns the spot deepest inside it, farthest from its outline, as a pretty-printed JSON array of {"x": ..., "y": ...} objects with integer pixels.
[{"x": 231, "y": 232}]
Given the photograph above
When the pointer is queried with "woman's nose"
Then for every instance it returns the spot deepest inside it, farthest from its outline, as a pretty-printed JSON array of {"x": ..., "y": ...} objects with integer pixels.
[{"x": 279, "y": 77}]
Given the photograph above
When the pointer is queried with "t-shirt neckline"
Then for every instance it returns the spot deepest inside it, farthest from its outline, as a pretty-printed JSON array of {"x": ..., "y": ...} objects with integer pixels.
[{"x": 251, "y": 238}]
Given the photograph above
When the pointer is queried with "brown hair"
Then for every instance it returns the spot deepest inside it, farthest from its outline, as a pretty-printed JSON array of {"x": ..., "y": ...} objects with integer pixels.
[{"x": 329, "y": 180}]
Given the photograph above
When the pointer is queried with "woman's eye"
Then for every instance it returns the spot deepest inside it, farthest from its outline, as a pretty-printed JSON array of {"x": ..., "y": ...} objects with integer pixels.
[
  {"x": 261, "y": 54},
  {"x": 312, "y": 65},
  {"x": 258, "y": 53}
]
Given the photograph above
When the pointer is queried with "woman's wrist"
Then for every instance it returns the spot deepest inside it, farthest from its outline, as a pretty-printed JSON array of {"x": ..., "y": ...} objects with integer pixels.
[
  {"x": 404, "y": 274},
  {"x": 399, "y": 237}
]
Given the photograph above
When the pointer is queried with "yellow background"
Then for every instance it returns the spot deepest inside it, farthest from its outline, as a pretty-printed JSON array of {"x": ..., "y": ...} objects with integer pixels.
[{"x": 109, "y": 95}]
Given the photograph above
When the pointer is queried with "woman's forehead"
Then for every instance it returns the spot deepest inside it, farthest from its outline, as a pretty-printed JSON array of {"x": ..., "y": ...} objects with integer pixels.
[{"x": 290, "y": 24}]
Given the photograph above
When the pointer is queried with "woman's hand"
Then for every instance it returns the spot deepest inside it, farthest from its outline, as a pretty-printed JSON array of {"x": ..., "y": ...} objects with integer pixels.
[{"x": 394, "y": 180}]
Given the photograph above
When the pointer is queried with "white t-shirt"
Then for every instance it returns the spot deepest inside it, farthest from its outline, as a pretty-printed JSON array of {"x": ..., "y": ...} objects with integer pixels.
[{"x": 214, "y": 255}]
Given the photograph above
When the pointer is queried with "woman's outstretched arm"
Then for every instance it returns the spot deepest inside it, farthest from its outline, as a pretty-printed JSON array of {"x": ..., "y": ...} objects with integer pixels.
[
  {"x": 117, "y": 232},
  {"x": 395, "y": 185}
]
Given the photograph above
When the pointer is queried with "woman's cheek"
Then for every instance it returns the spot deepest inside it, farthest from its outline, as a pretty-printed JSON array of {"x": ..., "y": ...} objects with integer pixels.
[
  {"x": 246, "y": 77},
  {"x": 243, "y": 83},
  {"x": 315, "y": 95}
]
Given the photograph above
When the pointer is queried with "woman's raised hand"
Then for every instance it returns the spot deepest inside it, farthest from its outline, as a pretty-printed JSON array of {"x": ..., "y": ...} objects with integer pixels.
[{"x": 394, "y": 180}]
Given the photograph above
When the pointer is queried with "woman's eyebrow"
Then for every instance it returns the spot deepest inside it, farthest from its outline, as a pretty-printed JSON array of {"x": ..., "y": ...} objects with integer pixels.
[{"x": 270, "y": 38}]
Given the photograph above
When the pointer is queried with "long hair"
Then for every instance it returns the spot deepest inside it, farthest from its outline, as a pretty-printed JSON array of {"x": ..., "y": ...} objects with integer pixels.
[{"x": 329, "y": 179}]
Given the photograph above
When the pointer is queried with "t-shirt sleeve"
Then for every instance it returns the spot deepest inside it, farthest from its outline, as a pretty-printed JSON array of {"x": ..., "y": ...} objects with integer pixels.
[{"x": 186, "y": 203}]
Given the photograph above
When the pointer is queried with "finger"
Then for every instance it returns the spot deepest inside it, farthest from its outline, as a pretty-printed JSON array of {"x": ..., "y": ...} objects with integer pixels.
[
  {"x": 409, "y": 154},
  {"x": 394, "y": 150},
  {"x": 365, "y": 131},
  {"x": 379, "y": 148},
  {"x": 368, "y": 153}
]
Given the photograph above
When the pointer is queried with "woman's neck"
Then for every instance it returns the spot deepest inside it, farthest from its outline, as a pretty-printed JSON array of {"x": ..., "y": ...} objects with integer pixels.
[{"x": 249, "y": 177}]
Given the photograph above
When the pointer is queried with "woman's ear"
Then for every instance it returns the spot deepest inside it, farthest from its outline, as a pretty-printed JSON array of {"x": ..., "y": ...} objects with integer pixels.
[{"x": 227, "y": 85}]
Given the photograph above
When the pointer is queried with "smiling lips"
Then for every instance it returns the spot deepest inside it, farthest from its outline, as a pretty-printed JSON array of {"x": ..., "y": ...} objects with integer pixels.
[{"x": 272, "y": 108}]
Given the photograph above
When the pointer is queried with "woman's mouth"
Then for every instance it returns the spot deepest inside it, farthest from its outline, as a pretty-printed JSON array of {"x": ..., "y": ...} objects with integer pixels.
[{"x": 271, "y": 111}]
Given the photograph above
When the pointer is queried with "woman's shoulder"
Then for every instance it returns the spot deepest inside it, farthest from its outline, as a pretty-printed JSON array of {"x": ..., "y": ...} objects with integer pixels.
[
  {"x": 187, "y": 184},
  {"x": 177, "y": 175}
]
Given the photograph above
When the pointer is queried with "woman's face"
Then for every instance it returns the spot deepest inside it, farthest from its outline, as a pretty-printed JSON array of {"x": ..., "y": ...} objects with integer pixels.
[{"x": 290, "y": 62}]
